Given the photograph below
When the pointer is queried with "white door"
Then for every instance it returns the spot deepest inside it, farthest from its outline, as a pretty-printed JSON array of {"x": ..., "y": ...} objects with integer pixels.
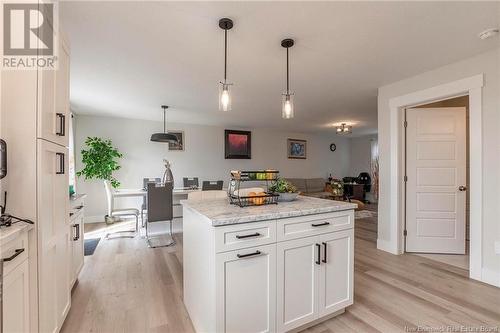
[
  {"x": 246, "y": 290},
  {"x": 298, "y": 263},
  {"x": 336, "y": 273},
  {"x": 53, "y": 235},
  {"x": 16, "y": 316},
  {"x": 435, "y": 188}
]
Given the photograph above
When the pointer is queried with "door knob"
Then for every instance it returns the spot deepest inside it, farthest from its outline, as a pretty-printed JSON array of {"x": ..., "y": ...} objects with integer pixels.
[{"x": 462, "y": 188}]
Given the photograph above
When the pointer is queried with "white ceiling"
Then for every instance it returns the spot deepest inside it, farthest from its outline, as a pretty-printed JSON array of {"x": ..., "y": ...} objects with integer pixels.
[{"x": 128, "y": 58}]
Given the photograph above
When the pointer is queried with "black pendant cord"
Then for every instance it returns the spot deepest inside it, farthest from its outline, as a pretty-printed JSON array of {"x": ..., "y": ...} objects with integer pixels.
[
  {"x": 164, "y": 126},
  {"x": 287, "y": 74},
  {"x": 225, "y": 55}
]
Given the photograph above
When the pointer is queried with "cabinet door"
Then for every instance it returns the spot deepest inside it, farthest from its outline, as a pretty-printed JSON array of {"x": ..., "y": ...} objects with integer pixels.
[
  {"x": 53, "y": 97},
  {"x": 297, "y": 282},
  {"x": 336, "y": 273},
  {"x": 16, "y": 300},
  {"x": 53, "y": 235},
  {"x": 76, "y": 234},
  {"x": 246, "y": 290}
]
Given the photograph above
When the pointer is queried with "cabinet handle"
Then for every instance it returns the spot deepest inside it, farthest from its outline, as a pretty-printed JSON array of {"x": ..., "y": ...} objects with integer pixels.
[
  {"x": 77, "y": 232},
  {"x": 256, "y": 253},
  {"x": 318, "y": 247},
  {"x": 320, "y": 224},
  {"x": 79, "y": 207},
  {"x": 324, "y": 252},
  {"x": 62, "y": 124},
  {"x": 257, "y": 234},
  {"x": 16, "y": 253},
  {"x": 61, "y": 164}
]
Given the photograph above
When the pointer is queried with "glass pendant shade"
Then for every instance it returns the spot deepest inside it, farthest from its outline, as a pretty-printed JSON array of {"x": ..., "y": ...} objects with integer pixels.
[
  {"x": 224, "y": 97},
  {"x": 287, "y": 106}
]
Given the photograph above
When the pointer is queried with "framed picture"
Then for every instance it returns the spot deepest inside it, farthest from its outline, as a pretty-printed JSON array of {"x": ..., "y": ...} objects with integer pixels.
[
  {"x": 237, "y": 144},
  {"x": 179, "y": 145},
  {"x": 297, "y": 148}
]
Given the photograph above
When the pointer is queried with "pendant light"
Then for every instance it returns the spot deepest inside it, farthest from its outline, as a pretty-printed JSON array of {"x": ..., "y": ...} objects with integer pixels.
[
  {"x": 224, "y": 95},
  {"x": 287, "y": 103},
  {"x": 165, "y": 136}
]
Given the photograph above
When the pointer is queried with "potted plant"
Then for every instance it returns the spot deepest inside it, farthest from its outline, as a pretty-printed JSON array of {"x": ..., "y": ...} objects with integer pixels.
[
  {"x": 286, "y": 190},
  {"x": 100, "y": 160}
]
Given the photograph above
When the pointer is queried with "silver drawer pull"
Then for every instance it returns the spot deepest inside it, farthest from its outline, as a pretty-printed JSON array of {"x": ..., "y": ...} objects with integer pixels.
[
  {"x": 16, "y": 253},
  {"x": 257, "y": 234},
  {"x": 256, "y": 253}
]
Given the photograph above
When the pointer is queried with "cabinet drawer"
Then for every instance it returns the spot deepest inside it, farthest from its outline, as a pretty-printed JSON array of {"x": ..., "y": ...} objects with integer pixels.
[
  {"x": 310, "y": 225},
  {"x": 10, "y": 249},
  {"x": 244, "y": 235}
]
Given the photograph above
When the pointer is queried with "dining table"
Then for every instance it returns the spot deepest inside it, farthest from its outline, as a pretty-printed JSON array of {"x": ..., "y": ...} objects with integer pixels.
[{"x": 178, "y": 194}]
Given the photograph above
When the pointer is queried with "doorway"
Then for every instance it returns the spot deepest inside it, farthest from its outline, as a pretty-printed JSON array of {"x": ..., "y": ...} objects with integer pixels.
[{"x": 436, "y": 181}]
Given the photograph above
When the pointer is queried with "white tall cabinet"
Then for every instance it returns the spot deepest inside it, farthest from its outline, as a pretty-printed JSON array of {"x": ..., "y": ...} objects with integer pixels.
[{"x": 34, "y": 123}]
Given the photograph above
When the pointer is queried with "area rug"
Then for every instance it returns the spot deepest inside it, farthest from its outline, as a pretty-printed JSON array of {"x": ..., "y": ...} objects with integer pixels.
[
  {"x": 90, "y": 246},
  {"x": 363, "y": 214}
]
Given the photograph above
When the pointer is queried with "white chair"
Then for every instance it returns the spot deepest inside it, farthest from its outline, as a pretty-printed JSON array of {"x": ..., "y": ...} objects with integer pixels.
[
  {"x": 207, "y": 195},
  {"x": 112, "y": 212}
]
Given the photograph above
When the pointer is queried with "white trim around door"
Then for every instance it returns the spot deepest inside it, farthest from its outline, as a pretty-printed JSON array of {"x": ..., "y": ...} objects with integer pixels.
[{"x": 472, "y": 87}]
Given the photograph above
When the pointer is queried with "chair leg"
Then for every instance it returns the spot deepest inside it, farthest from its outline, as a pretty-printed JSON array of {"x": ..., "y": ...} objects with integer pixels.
[
  {"x": 148, "y": 239},
  {"x": 135, "y": 232}
]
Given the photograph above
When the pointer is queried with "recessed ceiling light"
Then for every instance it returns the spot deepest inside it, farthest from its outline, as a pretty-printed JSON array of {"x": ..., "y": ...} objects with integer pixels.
[{"x": 488, "y": 33}]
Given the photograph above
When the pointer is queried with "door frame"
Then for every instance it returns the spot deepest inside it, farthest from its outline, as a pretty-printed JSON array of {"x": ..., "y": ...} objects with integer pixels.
[{"x": 471, "y": 86}]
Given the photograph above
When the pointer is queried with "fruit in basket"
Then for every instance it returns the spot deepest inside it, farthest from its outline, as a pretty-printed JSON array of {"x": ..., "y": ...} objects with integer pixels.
[
  {"x": 260, "y": 200},
  {"x": 251, "y": 196},
  {"x": 270, "y": 174}
]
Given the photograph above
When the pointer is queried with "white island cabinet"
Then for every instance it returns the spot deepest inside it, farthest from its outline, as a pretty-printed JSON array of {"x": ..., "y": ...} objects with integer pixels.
[{"x": 273, "y": 268}]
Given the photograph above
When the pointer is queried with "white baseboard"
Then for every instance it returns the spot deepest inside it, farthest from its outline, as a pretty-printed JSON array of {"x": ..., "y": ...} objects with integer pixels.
[
  {"x": 386, "y": 246},
  {"x": 490, "y": 277}
]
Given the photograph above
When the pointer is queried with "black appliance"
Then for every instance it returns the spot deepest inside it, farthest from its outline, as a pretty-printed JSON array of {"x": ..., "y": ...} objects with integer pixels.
[
  {"x": 3, "y": 159},
  {"x": 365, "y": 179}
]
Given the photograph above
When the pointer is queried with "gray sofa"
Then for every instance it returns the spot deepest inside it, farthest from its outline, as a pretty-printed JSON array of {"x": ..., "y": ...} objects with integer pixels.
[{"x": 312, "y": 187}]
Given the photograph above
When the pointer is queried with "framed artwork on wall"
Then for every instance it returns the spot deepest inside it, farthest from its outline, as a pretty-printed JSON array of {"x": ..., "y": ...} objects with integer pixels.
[
  {"x": 237, "y": 144},
  {"x": 297, "y": 149},
  {"x": 179, "y": 145}
]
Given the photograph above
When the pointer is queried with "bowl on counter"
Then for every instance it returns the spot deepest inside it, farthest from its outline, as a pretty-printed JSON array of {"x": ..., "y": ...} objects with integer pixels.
[{"x": 287, "y": 197}]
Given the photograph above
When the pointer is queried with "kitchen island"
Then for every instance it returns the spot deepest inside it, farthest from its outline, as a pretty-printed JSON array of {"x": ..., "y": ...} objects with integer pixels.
[{"x": 271, "y": 268}]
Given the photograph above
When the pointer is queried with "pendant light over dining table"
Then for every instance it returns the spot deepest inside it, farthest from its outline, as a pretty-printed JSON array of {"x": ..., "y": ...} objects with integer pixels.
[
  {"x": 165, "y": 136},
  {"x": 287, "y": 103},
  {"x": 224, "y": 95}
]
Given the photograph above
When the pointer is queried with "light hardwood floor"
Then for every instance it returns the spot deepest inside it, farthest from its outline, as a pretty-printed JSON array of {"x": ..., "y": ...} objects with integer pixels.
[{"x": 127, "y": 287}]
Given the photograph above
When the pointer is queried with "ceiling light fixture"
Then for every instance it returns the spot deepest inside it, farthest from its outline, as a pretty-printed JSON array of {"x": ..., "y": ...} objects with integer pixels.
[
  {"x": 488, "y": 33},
  {"x": 165, "y": 136},
  {"x": 343, "y": 129},
  {"x": 287, "y": 103},
  {"x": 224, "y": 96}
]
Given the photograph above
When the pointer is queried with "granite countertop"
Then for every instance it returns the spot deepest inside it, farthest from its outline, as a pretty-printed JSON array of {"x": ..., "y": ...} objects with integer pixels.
[
  {"x": 221, "y": 212},
  {"x": 9, "y": 233}
]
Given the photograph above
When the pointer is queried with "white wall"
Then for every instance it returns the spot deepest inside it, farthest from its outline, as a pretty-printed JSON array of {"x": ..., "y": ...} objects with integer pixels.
[
  {"x": 361, "y": 150},
  {"x": 203, "y": 156},
  {"x": 486, "y": 63}
]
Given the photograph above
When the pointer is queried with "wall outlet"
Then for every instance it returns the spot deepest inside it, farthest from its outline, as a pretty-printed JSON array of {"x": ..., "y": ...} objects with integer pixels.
[{"x": 497, "y": 247}]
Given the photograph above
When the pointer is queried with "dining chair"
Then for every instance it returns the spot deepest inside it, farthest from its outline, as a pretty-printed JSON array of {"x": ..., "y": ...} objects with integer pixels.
[
  {"x": 115, "y": 212},
  {"x": 160, "y": 209},
  {"x": 207, "y": 195},
  {"x": 207, "y": 185},
  {"x": 190, "y": 182},
  {"x": 145, "y": 182}
]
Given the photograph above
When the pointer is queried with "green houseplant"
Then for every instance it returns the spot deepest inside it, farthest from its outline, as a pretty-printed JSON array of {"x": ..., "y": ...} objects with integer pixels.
[
  {"x": 100, "y": 159},
  {"x": 286, "y": 190}
]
